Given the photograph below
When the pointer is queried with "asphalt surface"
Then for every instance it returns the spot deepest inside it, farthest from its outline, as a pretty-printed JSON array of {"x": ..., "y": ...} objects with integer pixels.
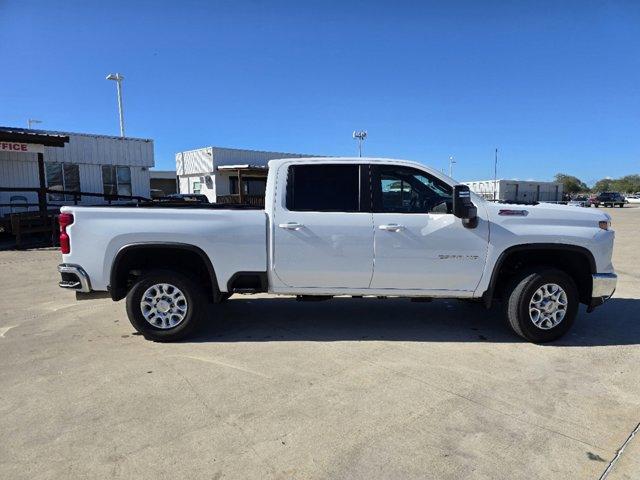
[{"x": 344, "y": 389}]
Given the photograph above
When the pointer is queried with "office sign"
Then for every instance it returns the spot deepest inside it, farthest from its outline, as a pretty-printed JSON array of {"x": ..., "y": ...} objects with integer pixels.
[{"x": 19, "y": 147}]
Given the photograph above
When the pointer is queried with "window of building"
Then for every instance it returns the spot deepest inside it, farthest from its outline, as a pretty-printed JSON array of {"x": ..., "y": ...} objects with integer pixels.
[
  {"x": 251, "y": 185},
  {"x": 116, "y": 180},
  {"x": 398, "y": 189},
  {"x": 62, "y": 177},
  {"x": 323, "y": 188}
]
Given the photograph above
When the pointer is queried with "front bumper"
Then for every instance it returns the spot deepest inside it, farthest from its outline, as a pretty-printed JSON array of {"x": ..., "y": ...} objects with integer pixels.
[
  {"x": 74, "y": 278},
  {"x": 604, "y": 284}
]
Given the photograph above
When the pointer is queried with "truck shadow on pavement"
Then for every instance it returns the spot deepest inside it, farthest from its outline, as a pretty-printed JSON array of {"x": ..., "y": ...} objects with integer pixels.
[{"x": 246, "y": 319}]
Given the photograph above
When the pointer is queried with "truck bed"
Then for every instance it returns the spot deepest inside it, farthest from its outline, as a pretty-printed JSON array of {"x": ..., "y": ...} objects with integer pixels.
[{"x": 234, "y": 239}]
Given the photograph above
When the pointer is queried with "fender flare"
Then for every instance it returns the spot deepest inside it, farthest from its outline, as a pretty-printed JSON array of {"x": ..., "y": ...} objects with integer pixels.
[
  {"x": 487, "y": 296},
  {"x": 116, "y": 290}
]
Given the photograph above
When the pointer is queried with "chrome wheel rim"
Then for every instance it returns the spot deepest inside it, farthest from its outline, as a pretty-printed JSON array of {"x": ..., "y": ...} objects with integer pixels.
[
  {"x": 164, "y": 306},
  {"x": 548, "y": 306}
]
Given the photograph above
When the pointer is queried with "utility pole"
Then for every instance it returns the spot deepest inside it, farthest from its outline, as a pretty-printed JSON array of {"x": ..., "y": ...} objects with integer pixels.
[
  {"x": 451, "y": 162},
  {"x": 118, "y": 79},
  {"x": 361, "y": 135},
  {"x": 31, "y": 122},
  {"x": 495, "y": 176}
]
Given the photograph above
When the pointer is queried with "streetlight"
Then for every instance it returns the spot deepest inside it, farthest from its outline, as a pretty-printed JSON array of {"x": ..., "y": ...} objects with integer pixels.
[
  {"x": 360, "y": 135},
  {"x": 32, "y": 121},
  {"x": 118, "y": 79},
  {"x": 495, "y": 175},
  {"x": 451, "y": 162}
]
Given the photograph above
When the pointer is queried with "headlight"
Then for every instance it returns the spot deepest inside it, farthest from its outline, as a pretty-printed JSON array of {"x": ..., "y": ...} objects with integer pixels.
[{"x": 604, "y": 224}]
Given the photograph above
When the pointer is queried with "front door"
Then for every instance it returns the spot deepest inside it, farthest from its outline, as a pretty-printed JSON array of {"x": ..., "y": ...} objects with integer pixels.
[
  {"x": 418, "y": 243},
  {"x": 323, "y": 231}
]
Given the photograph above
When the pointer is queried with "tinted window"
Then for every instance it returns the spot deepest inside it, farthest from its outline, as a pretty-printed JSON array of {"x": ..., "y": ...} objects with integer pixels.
[
  {"x": 323, "y": 188},
  {"x": 116, "y": 180},
  {"x": 62, "y": 176},
  {"x": 400, "y": 189}
]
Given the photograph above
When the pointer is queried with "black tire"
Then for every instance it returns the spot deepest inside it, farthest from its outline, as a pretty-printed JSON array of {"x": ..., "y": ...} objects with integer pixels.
[
  {"x": 194, "y": 299},
  {"x": 520, "y": 293}
]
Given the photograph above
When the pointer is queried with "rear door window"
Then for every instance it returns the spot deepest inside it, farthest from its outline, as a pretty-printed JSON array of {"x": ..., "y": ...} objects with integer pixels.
[{"x": 323, "y": 188}]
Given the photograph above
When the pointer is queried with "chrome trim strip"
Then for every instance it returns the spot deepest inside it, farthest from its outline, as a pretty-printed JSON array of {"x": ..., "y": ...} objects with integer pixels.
[
  {"x": 604, "y": 284},
  {"x": 83, "y": 285}
]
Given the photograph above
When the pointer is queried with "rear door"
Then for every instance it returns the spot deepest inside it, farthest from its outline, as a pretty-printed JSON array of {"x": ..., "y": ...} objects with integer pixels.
[
  {"x": 323, "y": 227},
  {"x": 419, "y": 244}
]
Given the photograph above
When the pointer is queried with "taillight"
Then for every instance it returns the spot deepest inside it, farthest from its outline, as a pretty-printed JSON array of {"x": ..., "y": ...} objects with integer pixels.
[{"x": 64, "y": 220}]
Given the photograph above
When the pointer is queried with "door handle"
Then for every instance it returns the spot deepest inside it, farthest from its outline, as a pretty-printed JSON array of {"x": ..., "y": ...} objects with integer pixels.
[
  {"x": 291, "y": 226},
  {"x": 391, "y": 227}
]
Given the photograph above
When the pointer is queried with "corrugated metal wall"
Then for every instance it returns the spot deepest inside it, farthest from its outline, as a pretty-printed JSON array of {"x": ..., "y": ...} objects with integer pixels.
[
  {"x": 90, "y": 152},
  {"x": 204, "y": 162},
  {"x": 194, "y": 162},
  {"x": 99, "y": 150},
  {"x": 519, "y": 190},
  {"x": 232, "y": 156}
]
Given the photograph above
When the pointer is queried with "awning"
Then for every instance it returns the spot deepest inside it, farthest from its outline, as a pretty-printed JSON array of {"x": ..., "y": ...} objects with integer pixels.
[{"x": 11, "y": 134}]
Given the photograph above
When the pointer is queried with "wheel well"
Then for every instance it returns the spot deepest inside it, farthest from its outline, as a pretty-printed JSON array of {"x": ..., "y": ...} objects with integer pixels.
[
  {"x": 577, "y": 262},
  {"x": 133, "y": 261}
]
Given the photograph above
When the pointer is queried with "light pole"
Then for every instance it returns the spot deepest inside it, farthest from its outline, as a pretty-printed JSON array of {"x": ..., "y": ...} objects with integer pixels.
[
  {"x": 32, "y": 121},
  {"x": 118, "y": 79},
  {"x": 451, "y": 162},
  {"x": 360, "y": 135},
  {"x": 495, "y": 175}
]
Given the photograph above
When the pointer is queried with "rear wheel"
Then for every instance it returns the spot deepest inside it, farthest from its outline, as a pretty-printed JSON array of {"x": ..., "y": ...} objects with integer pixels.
[
  {"x": 165, "y": 306},
  {"x": 541, "y": 304}
]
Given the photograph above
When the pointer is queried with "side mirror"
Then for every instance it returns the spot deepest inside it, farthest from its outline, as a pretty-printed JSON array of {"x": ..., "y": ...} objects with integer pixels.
[{"x": 463, "y": 208}]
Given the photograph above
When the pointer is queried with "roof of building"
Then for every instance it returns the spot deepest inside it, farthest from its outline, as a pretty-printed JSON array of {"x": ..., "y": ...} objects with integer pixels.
[
  {"x": 232, "y": 151},
  {"x": 54, "y": 133},
  {"x": 25, "y": 135},
  {"x": 243, "y": 167},
  {"x": 551, "y": 182}
]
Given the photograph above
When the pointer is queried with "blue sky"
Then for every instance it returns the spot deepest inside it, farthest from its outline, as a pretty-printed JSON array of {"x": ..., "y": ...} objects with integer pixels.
[{"x": 555, "y": 86}]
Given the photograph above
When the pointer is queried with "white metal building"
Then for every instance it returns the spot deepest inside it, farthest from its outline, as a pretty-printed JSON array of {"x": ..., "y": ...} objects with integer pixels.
[
  {"x": 214, "y": 171},
  {"x": 517, "y": 190},
  {"x": 87, "y": 163}
]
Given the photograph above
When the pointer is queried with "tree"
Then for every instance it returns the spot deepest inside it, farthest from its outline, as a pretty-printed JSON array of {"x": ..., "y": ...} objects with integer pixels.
[
  {"x": 626, "y": 184},
  {"x": 570, "y": 183},
  {"x": 604, "y": 185}
]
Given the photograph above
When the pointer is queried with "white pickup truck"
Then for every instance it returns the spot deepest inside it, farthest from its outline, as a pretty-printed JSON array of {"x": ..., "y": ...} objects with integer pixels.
[{"x": 342, "y": 226}]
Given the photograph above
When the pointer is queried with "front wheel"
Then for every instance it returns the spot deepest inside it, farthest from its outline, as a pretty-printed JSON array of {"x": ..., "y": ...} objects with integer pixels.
[
  {"x": 165, "y": 306},
  {"x": 541, "y": 304}
]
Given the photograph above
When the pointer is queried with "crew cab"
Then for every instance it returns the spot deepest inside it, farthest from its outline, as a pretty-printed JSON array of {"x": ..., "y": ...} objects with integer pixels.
[{"x": 336, "y": 227}]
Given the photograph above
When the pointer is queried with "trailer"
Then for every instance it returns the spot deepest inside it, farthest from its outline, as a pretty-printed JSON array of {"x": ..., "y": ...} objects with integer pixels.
[{"x": 520, "y": 191}]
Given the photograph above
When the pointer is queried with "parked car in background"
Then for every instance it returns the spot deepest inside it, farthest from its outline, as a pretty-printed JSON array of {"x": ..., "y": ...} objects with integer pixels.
[
  {"x": 579, "y": 201},
  {"x": 325, "y": 225},
  {"x": 608, "y": 199},
  {"x": 633, "y": 199}
]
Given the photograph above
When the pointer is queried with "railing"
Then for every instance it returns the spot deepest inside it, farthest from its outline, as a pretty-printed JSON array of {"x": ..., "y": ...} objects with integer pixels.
[
  {"x": 253, "y": 200},
  {"x": 75, "y": 195}
]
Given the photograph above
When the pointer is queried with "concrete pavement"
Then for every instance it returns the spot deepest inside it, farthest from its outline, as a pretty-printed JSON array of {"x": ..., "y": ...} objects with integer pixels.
[{"x": 344, "y": 389}]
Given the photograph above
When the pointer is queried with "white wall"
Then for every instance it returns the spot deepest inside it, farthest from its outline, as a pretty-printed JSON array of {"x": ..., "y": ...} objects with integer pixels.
[
  {"x": 518, "y": 190},
  {"x": 90, "y": 152},
  {"x": 203, "y": 162},
  {"x": 187, "y": 183}
]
